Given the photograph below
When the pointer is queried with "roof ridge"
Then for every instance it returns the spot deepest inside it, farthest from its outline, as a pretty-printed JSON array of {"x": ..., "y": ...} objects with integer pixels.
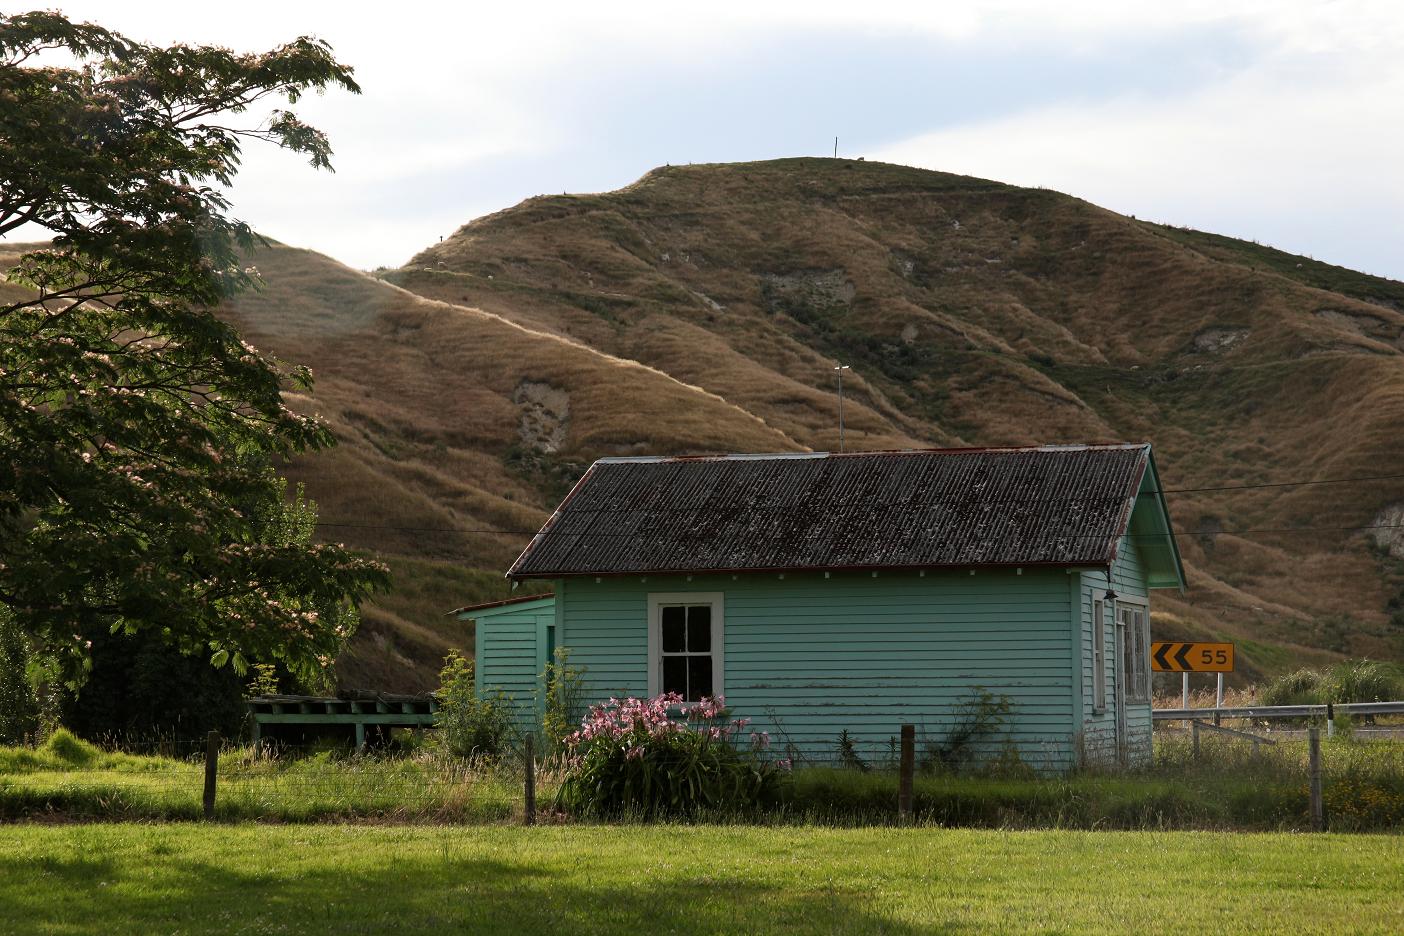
[{"x": 959, "y": 450}]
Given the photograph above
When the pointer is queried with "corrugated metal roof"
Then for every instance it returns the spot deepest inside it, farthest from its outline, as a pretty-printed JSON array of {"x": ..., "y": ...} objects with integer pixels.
[
  {"x": 1062, "y": 505},
  {"x": 468, "y": 610}
]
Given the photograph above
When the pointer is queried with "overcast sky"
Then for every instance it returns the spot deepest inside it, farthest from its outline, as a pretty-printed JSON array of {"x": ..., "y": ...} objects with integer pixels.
[{"x": 1274, "y": 121}]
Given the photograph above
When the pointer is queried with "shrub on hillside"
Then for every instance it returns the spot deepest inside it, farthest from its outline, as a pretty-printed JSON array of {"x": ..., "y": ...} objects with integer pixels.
[
  {"x": 659, "y": 757},
  {"x": 470, "y": 725}
]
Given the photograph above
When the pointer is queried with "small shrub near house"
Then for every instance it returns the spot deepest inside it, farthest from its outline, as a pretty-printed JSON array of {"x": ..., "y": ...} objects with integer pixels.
[
  {"x": 469, "y": 725},
  {"x": 981, "y": 716},
  {"x": 560, "y": 691},
  {"x": 662, "y": 758}
]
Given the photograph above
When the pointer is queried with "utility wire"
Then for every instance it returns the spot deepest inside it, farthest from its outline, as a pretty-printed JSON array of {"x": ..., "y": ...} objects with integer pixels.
[
  {"x": 954, "y": 500},
  {"x": 598, "y": 535},
  {"x": 753, "y": 509}
]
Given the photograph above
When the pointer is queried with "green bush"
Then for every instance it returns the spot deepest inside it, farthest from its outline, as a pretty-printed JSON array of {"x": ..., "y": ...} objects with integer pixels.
[
  {"x": 634, "y": 758},
  {"x": 560, "y": 689},
  {"x": 471, "y": 725},
  {"x": 19, "y": 705},
  {"x": 1364, "y": 681},
  {"x": 1302, "y": 687},
  {"x": 1347, "y": 681}
]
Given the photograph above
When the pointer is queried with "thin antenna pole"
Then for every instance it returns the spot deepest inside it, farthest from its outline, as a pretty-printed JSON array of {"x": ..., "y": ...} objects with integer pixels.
[
  {"x": 840, "y": 369},
  {"x": 836, "y": 147}
]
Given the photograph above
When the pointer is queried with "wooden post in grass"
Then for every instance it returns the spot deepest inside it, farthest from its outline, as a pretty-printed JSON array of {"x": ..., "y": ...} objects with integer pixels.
[
  {"x": 905, "y": 769},
  {"x": 1318, "y": 811},
  {"x": 211, "y": 764},
  {"x": 529, "y": 811}
]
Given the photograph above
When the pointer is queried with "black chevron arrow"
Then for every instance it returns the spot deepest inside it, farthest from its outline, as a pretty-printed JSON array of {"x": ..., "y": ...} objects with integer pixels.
[
  {"x": 1182, "y": 656},
  {"x": 1160, "y": 655}
]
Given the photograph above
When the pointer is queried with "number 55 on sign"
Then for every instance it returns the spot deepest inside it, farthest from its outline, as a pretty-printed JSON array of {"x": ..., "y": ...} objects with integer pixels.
[{"x": 1172, "y": 657}]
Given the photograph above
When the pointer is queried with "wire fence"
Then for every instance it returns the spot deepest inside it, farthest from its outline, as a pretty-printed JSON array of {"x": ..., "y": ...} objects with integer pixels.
[{"x": 1223, "y": 781}]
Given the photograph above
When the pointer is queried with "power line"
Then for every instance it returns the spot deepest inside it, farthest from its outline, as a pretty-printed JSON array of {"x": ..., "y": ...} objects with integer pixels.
[
  {"x": 1280, "y": 484},
  {"x": 469, "y": 531},
  {"x": 1004, "y": 500},
  {"x": 587, "y": 533},
  {"x": 1028, "y": 500}
]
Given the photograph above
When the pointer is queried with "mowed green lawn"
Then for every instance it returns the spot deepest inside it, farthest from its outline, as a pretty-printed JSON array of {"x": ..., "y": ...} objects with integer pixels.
[{"x": 254, "y": 879}]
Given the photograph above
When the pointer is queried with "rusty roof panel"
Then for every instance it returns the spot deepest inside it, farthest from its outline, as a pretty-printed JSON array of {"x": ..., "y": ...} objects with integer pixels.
[{"x": 1063, "y": 505}]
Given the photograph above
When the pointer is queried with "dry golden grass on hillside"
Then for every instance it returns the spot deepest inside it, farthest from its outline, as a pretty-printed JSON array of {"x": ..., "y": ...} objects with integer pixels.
[
  {"x": 704, "y": 307},
  {"x": 426, "y": 402},
  {"x": 977, "y": 313}
]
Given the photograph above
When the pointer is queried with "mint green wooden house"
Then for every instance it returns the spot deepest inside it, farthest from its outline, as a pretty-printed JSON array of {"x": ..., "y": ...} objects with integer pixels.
[{"x": 825, "y": 593}]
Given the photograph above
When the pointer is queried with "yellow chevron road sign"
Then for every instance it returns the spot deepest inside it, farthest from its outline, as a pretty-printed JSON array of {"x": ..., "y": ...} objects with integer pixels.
[{"x": 1171, "y": 657}]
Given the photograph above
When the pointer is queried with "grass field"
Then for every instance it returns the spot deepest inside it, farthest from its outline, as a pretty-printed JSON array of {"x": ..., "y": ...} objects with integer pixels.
[
  {"x": 1229, "y": 787},
  {"x": 193, "y": 879}
]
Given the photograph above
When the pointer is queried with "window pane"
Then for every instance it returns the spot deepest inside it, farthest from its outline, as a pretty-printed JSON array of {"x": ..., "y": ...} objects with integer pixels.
[
  {"x": 699, "y": 677},
  {"x": 699, "y": 629},
  {"x": 674, "y": 629},
  {"x": 675, "y": 675}
]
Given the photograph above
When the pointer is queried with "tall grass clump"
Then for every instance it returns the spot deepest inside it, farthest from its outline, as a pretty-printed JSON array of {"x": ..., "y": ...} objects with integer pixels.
[
  {"x": 471, "y": 725},
  {"x": 661, "y": 758},
  {"x": 1347, "y": 681}
]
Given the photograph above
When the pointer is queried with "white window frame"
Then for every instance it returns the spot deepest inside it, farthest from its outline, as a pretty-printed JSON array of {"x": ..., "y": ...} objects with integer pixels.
[
  {"x": 656, "y": 601},
  {"x": 1138, "y": 679},
  {"x": 1099, "y": 656}
]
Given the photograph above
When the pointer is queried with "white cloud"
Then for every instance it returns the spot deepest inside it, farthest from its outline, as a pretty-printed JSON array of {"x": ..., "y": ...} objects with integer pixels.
[
  {"x": 1301, "y": 150},
  {"x": 453, "y": 88}
]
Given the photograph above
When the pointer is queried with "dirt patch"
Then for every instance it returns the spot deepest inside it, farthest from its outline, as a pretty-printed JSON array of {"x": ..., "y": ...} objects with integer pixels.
[
  {"x": 1365, "y": 325},
  {"x": 806, "y": 292},
  {"x": 1218, "y": 340},
  {"x": 1389, "y": 530},
  {"x": 545, "y": 415}
]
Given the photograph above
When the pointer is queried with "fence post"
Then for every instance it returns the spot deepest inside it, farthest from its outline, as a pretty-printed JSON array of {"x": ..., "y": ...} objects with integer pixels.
[
  {"x": 905, "y": 770},
  {"x": 211, "y": 765},
  {"x": 1194, "y": 733},
  {"x": 1318, "y": 810},
  {"x": 529, "y": 810}
]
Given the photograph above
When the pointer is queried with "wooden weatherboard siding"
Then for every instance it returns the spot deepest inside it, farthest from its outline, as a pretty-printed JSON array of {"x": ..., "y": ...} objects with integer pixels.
[
  {"x": 511, "y": 645},
  {"x": 1099, "y": 730},
  {"x": 807, "y": 656}
]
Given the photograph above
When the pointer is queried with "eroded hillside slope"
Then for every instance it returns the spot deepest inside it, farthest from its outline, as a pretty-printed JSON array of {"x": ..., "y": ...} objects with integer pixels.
[
  {"x": 454, "y": 423},
  {"x": 979, "y": 313}
]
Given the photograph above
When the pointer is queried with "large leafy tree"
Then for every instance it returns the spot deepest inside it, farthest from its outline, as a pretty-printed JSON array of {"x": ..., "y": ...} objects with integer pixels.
[{"x": 138, "y": 433}]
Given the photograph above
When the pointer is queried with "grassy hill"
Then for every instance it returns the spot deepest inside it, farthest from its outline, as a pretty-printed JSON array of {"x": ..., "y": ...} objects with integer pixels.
[
  {"x": 703, "y": 309},
  {"x": 979, "y": 313},
  {"x": 453, "y": 423}
]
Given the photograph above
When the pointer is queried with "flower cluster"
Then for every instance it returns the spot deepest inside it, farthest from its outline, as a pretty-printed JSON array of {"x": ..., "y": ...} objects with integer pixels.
[
  {"x": 636, "y": 721},
  {"x": 666, "y": 756}
]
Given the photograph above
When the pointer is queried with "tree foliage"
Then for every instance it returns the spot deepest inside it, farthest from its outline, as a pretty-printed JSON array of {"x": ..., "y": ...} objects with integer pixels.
[{"x": 138, "y": 432}]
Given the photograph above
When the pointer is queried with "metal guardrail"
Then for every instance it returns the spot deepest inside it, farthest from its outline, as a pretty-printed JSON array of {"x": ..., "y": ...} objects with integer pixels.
[{"x": 1279, "y": 711}]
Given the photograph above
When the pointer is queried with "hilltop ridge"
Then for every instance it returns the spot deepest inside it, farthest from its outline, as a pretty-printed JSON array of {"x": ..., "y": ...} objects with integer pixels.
[{"x": 703, "y": 309}]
